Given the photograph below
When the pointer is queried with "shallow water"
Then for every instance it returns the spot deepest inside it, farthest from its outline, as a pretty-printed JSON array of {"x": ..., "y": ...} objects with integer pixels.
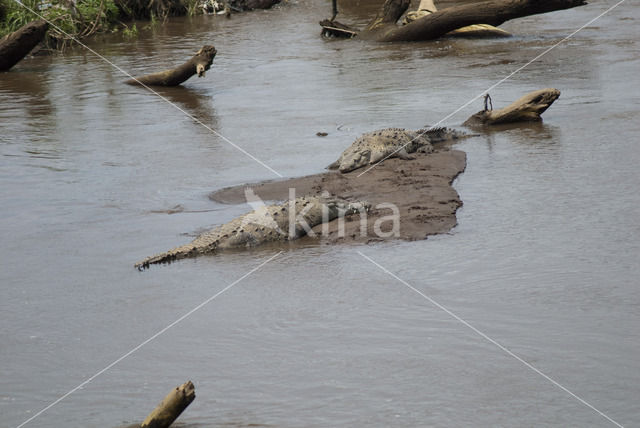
[{"x": 544, "y": 260}]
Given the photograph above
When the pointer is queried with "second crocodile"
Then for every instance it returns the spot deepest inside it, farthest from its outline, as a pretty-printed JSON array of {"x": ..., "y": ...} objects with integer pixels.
[{"x": 376, "y": 146}]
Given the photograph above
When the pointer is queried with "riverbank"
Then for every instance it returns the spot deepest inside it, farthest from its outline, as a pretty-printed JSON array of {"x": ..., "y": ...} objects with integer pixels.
[
  {"x": 418, "y": 193},
  {"x": 73, "y": 21}
]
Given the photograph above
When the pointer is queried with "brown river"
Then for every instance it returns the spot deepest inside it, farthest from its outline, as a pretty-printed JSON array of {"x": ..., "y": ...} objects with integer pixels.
[{"x": 542, "y": 271}]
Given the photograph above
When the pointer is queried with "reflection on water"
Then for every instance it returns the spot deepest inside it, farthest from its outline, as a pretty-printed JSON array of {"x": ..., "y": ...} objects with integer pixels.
[
  {"x": 538, "y": 136},
  {"x": 195, "y": 103},
  {"x": 544, "y": 258}
]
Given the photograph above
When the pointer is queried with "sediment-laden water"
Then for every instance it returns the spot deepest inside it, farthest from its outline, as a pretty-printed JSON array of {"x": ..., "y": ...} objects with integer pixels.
[{"x": 544, "y": 260}]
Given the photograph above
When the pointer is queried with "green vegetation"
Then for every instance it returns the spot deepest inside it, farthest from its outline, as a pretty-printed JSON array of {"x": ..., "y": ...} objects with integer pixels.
[
  {"x": 130, "y": 32},
  {"x": 146, "y": 9},
  {"x": 77, "y": 19},
  {"x": 69, "y": 19}
]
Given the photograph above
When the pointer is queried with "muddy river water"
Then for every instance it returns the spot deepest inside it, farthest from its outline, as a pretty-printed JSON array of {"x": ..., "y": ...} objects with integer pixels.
[{"x": 96, "y": 175}]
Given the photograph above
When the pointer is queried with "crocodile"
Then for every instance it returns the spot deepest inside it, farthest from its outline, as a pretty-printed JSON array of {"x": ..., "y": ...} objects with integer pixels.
[
  {"x": 282, "y": 222},
  {"x": 376, "y": 146}
]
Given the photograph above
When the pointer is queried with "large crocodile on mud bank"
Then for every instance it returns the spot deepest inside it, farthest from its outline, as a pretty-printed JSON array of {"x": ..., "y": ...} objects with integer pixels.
[
  {"x": 376, "y": 146},
  {"x": 283, "y": 222}
]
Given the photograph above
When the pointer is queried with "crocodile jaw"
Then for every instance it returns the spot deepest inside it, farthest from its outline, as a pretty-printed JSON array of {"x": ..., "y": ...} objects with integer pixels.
[{"x": 354, "y": 161}]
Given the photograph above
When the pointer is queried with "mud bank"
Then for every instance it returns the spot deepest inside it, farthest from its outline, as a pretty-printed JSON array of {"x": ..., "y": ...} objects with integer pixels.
[{"x": 421, "y": 189}]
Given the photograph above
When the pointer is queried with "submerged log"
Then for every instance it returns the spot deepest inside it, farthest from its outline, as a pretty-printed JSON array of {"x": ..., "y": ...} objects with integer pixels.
[
  {"x": 16, "y": 45},
  {"x": 383, "y": 27},
  {"x": 198, "y": 64},
  {"x": 525, "y": 109}
]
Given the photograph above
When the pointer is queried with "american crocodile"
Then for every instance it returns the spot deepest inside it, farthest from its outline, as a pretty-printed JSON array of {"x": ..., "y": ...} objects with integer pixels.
[
  {"x": 377, "y": 146},
  {"x": 281, "y": 222}
]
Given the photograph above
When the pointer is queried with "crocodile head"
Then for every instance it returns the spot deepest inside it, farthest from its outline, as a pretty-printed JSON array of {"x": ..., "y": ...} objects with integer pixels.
[
  {"x": 204, "y": 58},
  {"x": 354, "y": 160}
]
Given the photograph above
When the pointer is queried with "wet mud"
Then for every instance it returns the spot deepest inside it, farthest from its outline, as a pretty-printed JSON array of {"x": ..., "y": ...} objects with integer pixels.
[{"x": 418, "y": 193}]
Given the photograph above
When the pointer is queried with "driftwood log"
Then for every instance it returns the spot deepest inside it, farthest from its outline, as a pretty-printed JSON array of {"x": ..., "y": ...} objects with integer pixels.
[
  {"x": 16, "y": 45},
  {"x": 170, "y": 408},
  {"x": 198, "y": 64},
  {"x": 383, "y": 27},
  {"x": 527, "y": 108},
  {"x": 427, "y": 7}
]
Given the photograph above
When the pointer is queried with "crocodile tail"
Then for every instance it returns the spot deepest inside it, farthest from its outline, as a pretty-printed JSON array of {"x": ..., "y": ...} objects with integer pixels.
[
  {"x": 441, "y": 133},
  {"x": 167, "y": 257}
]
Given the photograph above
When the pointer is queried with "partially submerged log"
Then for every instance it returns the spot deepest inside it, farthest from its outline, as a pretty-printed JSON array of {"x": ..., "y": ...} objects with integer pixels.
[
  {"x": 171, "y": 407},
  {"x": 15, "y": 46},
  {"x": 198, "y": 64},
  {"x": 527, "y": 108},
  {"x": 427, "y": 7},
  {"x": 494, "y": 12},
  {"x": 383, "y": 27}
]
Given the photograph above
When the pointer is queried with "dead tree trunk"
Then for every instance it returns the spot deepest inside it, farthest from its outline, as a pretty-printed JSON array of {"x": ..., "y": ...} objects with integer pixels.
[
  {"x": 15, "y": 46},
  {"x": 526, "y": 109},
  {"x": 198, "y": 64},
  {"x": 427, "y": 7},
  {"x": 383, "y": 28},
  {"x": 171, "y": 407}
]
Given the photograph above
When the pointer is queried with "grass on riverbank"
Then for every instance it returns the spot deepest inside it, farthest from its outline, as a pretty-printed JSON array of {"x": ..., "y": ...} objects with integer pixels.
[{"x": 81, "y": 18}]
